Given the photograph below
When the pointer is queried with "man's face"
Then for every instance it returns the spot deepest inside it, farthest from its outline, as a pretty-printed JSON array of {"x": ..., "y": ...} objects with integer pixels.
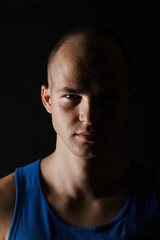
[{"x": 88, "y": 94}]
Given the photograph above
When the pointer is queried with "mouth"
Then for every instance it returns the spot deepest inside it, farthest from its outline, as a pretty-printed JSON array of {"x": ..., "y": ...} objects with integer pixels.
[{"x": 88, "y": 137}]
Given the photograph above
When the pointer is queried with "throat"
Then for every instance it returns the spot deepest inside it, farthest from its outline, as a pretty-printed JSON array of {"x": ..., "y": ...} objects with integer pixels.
[
  {"x": 94, "y": 179},
  {"x": 84, "y": 208}
]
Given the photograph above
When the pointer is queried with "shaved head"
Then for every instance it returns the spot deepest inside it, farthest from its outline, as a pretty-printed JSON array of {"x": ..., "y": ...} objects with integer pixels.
[
  {"x": 91, "y": 48},
  {"x": 88, "y": 74}
]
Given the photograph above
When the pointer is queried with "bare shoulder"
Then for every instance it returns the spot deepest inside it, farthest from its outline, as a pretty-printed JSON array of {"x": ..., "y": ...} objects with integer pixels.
[
  {"x": 7, "y": 188},
  {"x": 7, "y": 203}
]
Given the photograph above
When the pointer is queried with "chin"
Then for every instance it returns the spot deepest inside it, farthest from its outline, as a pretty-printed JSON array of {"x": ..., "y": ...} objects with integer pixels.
[
  {"x": 87, "y": 155},
  {"x": 87, "y": 152}
]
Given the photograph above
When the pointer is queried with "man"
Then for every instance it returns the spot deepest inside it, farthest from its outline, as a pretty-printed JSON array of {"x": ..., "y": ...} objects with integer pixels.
[{"x": 84, "y": 189}]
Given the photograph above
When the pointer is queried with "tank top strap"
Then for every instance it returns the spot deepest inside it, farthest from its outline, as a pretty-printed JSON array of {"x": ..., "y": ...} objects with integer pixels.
[
  {"x": 27, "y": 177},
  {"x": 143, "y": 187}
]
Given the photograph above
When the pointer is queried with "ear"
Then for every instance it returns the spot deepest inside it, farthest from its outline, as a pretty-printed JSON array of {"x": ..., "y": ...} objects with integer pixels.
[
  {"x": 45, "y": 95},
  {"x": 131, "y": 98}
]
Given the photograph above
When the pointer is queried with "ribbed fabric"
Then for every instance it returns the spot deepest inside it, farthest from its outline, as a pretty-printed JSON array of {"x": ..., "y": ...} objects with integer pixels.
[{"x": 34, "y": 218}]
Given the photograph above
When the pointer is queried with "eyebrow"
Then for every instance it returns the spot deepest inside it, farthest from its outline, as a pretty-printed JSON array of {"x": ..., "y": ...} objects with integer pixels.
[
  {"x": 70, "y": 90},
  {"x": 79, "y": 91}
]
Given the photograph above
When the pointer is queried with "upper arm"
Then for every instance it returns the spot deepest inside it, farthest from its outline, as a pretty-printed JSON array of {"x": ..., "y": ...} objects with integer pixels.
[{"x": 7, "y": 203}]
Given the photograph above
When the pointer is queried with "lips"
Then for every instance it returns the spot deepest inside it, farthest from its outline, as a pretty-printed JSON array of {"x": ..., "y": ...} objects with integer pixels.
[
  {"x": 86, "y": 136},
  {"x": 86, "y": 133}
]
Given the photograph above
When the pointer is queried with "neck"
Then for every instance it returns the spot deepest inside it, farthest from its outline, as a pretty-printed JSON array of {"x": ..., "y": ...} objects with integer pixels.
[{"x": 94, "y": 177}]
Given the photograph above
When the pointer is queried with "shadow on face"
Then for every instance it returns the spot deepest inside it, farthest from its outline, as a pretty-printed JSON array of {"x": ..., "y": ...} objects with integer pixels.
[{"x": 89, "y": 87}]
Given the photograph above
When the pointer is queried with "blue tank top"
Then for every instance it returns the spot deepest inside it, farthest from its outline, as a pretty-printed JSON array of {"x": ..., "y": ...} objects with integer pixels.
[{"x": 34, "y": 218}]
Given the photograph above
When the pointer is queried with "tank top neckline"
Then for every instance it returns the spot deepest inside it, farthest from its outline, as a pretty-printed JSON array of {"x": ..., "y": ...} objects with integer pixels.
[{"x": 87, "y": 229}]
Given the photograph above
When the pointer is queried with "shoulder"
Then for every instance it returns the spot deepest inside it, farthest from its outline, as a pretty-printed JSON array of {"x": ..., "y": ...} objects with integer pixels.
[{"x": 7, "y": 203}]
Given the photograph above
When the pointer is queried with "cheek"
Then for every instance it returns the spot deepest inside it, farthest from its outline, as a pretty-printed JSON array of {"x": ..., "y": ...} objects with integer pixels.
[
  {"x": 115, "y": 118},
  {"x": 120, "y": 117},
  {"x": 63, "y": 117}
]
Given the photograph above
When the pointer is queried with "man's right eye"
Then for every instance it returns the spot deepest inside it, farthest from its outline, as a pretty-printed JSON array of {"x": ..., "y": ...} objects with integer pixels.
[{"x": 72, "y": 97}]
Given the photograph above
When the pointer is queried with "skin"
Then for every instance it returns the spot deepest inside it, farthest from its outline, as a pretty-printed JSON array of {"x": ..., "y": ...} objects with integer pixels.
[
  {"x": 83, "y": 178},
  {"x": 93, "y": 175}
]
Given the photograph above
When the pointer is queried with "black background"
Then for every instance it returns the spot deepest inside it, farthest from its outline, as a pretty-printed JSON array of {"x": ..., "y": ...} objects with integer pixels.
[{"x": 28, "y": 31}]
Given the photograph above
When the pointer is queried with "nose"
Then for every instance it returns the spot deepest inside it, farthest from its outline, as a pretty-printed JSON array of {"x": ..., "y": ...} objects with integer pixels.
[{"x": 89, "y": 111}]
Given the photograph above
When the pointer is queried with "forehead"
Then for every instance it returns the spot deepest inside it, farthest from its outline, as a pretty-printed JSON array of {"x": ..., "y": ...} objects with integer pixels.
[{"x": 90, "y": 64}]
